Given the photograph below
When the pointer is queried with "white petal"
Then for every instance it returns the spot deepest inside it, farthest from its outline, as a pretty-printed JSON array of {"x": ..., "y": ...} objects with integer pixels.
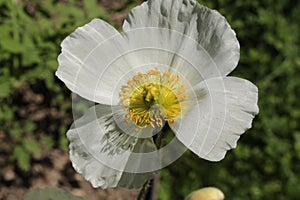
[
  {"x": 225, "y": 110},
  {"x": 164, "y": 48},
  {"x": 100, "y": 151},
  {"x": 217, "y": 47},
  {"x": 136, "y": 180},
  {"x": 86, "y": 62}
]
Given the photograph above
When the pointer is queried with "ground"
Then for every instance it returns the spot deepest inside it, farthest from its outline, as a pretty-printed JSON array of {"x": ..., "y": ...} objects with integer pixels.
[{"x": 52, "y": 166}]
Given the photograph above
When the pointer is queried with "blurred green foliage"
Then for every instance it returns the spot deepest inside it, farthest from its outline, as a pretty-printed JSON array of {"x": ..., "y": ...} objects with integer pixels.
[
  {"x": 30, "y": 37},
  {"x": 266, "y": 163}
]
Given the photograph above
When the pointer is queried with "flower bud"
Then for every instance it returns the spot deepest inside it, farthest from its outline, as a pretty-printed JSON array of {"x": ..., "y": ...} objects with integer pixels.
[{"x": 207, "y": 193}]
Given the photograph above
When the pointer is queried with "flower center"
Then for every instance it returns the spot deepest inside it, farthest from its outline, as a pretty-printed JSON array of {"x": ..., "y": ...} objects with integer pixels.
[{"x": 153, "y": 98}]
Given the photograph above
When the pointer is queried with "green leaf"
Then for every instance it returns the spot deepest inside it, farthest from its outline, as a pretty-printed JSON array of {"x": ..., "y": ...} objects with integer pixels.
[
  {"x": 5, "y": 87},
  {"x": 6, "y": 113},
  {"x": 22, "y": 157},
  {"x": 32, "y": 146},
  {"x": 47, "y": 141},
  {"x": 29, "y": 126},
  {"x": 50, "y": 193},
  {"x": 63, "y": 141},
  {"x": 297, "y": 144},
  {"x": 94, "y": 10},
  {"x": 16, "y": 131},
  {"x": 12, "y": 45}
]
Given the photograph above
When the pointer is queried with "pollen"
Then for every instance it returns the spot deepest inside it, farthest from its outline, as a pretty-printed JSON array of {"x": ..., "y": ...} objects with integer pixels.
[{"x": 153, "y": 98}]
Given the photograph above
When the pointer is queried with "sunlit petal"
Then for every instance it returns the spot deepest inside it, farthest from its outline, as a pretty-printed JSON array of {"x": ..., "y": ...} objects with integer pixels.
[
  {"x": 225, "y": 110},
  {"x": 87, "y": 55},
  {"x": 183, "y": 34}
]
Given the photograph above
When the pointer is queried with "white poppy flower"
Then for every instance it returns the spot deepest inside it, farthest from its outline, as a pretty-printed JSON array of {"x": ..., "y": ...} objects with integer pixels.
[{"x": 167, "y": 69}]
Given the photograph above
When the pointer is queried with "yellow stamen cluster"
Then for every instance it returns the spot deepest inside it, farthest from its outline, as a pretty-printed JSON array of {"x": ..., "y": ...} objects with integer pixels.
[{"x": 153, "y": 98}]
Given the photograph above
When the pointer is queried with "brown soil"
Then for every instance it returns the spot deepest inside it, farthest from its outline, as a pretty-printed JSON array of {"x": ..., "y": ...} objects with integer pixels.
[{"x": 53, "y": 168}]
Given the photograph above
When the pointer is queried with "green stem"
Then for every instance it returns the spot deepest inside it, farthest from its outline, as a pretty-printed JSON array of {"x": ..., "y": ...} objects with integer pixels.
[
  {"x": 158, "y": 140},
  {"x": 144, "y": 190},
  {"x": 146, "y": 185}
]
